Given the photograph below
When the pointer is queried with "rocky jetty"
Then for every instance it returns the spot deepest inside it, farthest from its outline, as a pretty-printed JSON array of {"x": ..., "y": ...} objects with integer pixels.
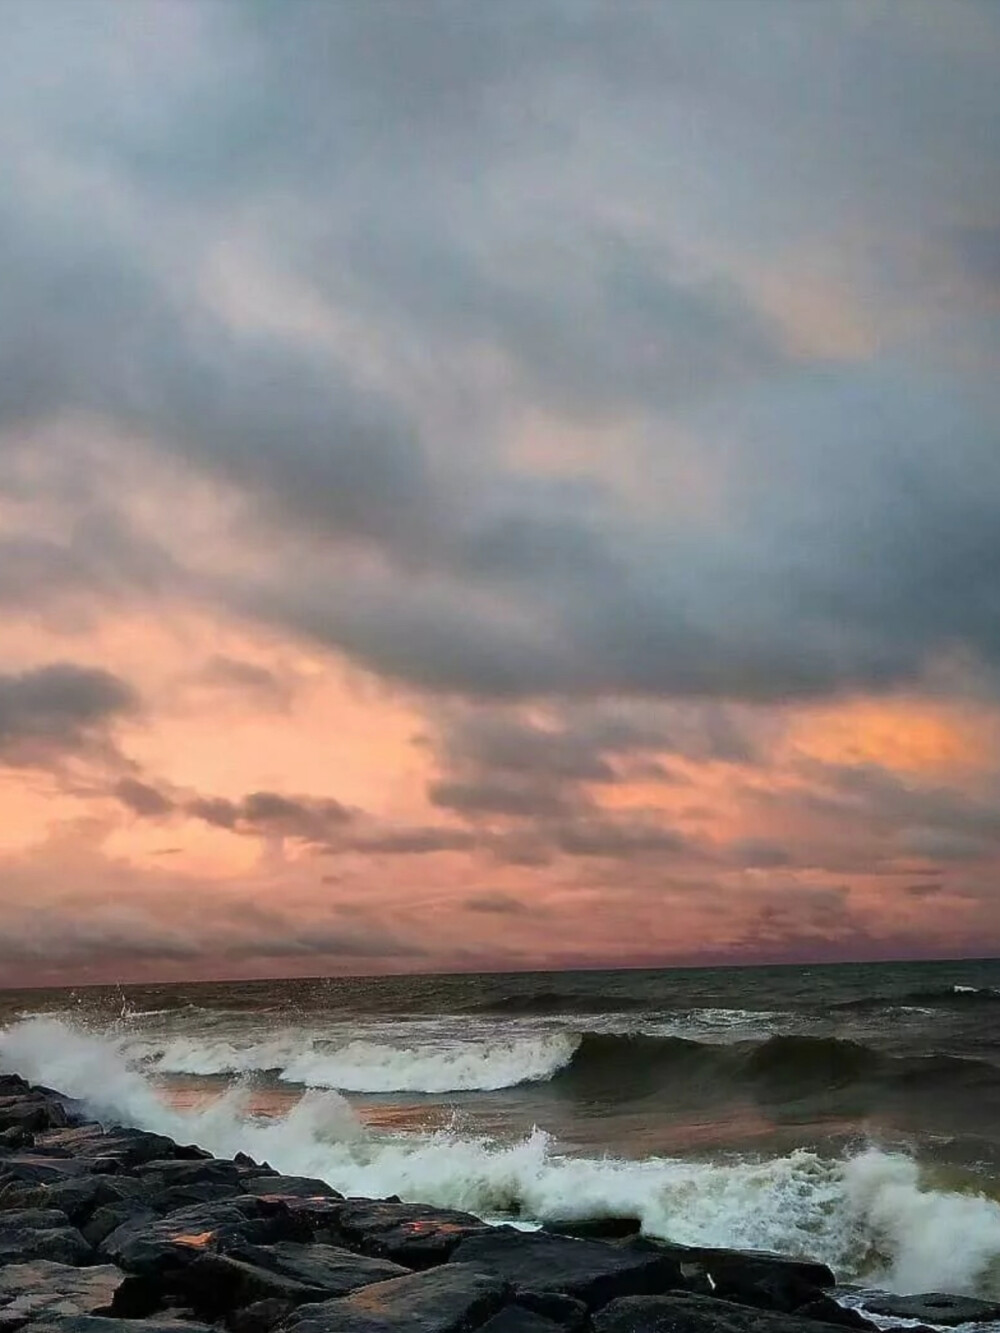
[{"x": 106, "y": 1229}]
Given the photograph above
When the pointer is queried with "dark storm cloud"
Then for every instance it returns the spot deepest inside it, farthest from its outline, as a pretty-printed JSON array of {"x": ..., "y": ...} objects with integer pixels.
[
  {"x": 142, "y": 799},
  {"x": 266, "y": 813},
  {"x": 58, "y": 709},
  {"x": 525, "y": 209}
]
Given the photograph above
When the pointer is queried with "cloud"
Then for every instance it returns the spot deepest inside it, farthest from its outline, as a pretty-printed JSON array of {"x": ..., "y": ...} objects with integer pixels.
[
  {"x": 474, "y": 575},
  {"x": 142, "y": 799},
  {"x": 495, "y": 904},
  {"x": 270, "y": 814},
  {"x": 57, "y": 710}
]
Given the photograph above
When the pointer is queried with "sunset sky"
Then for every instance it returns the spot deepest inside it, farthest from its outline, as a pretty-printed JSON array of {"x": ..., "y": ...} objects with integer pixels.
[{"x": 497, "y": 485}]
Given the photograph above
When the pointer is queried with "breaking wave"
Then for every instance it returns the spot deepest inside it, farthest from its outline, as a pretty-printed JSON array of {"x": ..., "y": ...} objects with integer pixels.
[
  {"x": 868, "y": 1215},
  {"x": 595, "y": 1066},
  {"x": 367, "y": 1066}
]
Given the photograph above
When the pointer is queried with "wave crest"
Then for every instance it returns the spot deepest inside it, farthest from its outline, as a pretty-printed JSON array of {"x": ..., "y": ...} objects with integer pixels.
[{"x": 869, "y": 1215}]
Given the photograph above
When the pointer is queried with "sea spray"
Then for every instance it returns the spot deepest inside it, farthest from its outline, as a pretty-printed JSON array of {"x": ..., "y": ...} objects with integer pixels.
[{"x": 866, "y": 1215}]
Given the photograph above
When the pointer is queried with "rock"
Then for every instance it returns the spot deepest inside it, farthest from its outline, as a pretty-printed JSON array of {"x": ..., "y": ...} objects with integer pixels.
[
  {"x": 34, "y": 1168},
  {"x": 451, "y": 1299},
  {"x": 518, "y": 1319},
  {"x": 566, "y": 1311},
  {"x": 410, "y": 1234},
  {"x": 16, "y": 1137},
  {"x": 299, "y": 1187},
  {"x": 595, "y": 1228},
  {"x": 38, "y": 1233},
  {"x": 99, "y": 1324},
  {"x": 260, "y": 1317},
  {"x": 80, "y": 1196},
  {"x": 589, "y": 1270},
  {"x": 114, "y": 1215},
  {"x": 141, "y": 1246},
  {"x": 125, "y": 1148},
  {"x": 336, "y": 1271},
  {"x": 171, "y": 1172},
  {"x": 215, "y": 1285},
  {"x": 733, "y": 1271},
  {"x": 31, "y": 1112},
  {"x": 933, "y": 1307},
  {"x": 46, "y": 1290},
  {"x": 828, "y": 1311},
  {"x": 695, "y": 1314}
]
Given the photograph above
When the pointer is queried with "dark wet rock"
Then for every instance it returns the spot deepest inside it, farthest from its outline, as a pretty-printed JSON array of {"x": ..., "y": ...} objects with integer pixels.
[
  {"x": 44, "y": 1289},
  {"x": 15, "y": 1137},
  {"x": 734, "y": 1271},
  {"x": 595, "y": 1228},
  {"x": 125, "y": 1148},
  {"x": 566, "y": 1311},
  {"x": 310, "y": 1218},
  {"x": 38, "y": 1233},
  {"x": 215, "y": 1284},
  {"x": 410, "y": 1234},
  {"x": 102, "y": 1324},
  {"x": 79, "y": 1197},
  {"x": 696, "y": 1314},
  {"x": 36, "y": 1168},
  {"x": 451, "y": 1299},
  {"x": 336, "y": 1271},
  {"x": 828, "y": 1311},
  {"x": 299, "y": 1187},
  {"x": 141, "y": 1246},
  {"x": 519, "y": 1319},
  {"x": 171, "y": 1172},
  {"x": 933, "y": 1307},
  {"x": 31, "y": 1112},
  {"x": 260, "y": 1317},
  {"x": 111, "y": 1216},
  {"x": 590, "y": 1271}
]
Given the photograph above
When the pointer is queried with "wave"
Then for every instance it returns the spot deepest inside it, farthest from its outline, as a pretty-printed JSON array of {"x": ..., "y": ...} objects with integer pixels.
[
  {"x": 591, "y": 1066},
  {"x": 934, "y": 997},
  {"x": 870, "y": 1215},
  {"x": 368, "y": 1066},
  {"x": 543, "y": 1002}
]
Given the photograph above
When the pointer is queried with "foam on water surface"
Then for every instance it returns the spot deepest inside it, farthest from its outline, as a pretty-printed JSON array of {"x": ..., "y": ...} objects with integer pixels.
[{"x": 867, "y": 1214}]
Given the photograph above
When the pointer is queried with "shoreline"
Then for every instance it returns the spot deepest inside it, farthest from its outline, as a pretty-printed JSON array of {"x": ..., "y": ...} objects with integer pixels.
[{"x": 111, "y": 1229}]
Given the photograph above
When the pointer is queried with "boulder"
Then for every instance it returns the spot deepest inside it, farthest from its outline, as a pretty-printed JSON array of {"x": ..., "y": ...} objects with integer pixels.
[
  {"x": 589, "y": 1270},
  {"x": 112, "y": 1216},
  {"x": 335, "y": 1271},
  {"x": 121, "y": 1148},
  {"x": 934, "y": 1307},
  {"x": 216, "y": 1285},
  {"x": 299, "y": 1187},
  {"x": 566, "y": 1311},
  {"x": 38, "y": 1233},
  {"x": 144, "y": 1246},
  {"x": 519, "y": 1319},
  {"x": 44, "y": 1289},
  {"x": 696, "y": 1314},
  {"x": 595, "y": 1228},
  {"x": 100, "y": 1324},
  {"x": 31, "y": 1112},
  {"x": 451, "y": 1299},
  {"x": 260, "y": 1317},
  {"x": 410, "y": 1234}
]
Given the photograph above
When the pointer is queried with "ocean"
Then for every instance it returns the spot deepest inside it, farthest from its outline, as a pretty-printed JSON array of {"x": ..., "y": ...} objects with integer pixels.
[{"x": 847, "y": 1112}]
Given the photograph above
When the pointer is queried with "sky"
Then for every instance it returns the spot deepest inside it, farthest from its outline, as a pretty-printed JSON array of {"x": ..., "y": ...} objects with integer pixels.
[{"x": 497, "y": 486}]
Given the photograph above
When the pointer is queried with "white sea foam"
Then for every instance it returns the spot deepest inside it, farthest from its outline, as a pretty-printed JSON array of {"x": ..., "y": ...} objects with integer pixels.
[
  {"x": 865, "y": 1215},
  {"x": 370, "y": 1066}
]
